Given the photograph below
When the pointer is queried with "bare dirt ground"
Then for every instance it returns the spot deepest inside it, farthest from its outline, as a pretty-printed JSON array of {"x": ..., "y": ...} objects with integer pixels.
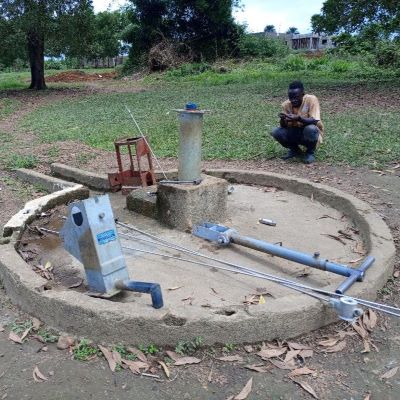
[{"x": 338, "y": 362}]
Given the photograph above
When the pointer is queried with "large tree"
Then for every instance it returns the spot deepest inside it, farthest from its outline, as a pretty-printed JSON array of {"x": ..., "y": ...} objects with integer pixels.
[
  {"x": 205, "y": 28},
  {"x": 355, "y": 15},
  {"x": 41, "y": 20}
]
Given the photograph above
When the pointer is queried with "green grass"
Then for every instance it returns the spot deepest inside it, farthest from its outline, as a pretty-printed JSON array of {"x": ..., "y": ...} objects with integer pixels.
[
  {"x": 7, "y": 107},
  {"x": 244, "y": 104}
]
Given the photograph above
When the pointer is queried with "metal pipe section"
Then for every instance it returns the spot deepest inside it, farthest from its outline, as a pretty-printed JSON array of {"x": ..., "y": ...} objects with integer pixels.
[
  {"x": 154, "y": 289},
  {"x": 310, "y": 260},
  {"x": 190, "y": 139}
]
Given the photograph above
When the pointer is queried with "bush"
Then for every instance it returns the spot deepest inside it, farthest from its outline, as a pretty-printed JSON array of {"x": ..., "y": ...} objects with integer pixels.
[
  {"x": 189, "y": 69},
  {"x": 340, "y": 66},
  {"x": 294, "y": 62},
  {"x": 261, "y": 47},
  {"x": 387, "y": 54},
  {"x": 53, "y": 64}
]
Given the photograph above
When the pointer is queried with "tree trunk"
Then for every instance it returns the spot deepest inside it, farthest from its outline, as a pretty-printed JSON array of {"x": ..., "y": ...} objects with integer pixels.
[{"x": 36, "y": 60}]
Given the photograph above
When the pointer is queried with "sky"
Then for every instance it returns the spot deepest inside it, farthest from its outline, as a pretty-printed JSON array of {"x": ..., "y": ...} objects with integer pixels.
[{"x": 259, "y": 13}]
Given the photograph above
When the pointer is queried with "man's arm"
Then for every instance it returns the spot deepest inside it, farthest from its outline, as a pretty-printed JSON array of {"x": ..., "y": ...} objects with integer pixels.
[{"x": 283, "y": 120}]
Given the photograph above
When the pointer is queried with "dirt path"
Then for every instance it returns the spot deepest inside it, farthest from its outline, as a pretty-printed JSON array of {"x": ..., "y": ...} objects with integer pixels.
[{"x": 350, "y": 373}]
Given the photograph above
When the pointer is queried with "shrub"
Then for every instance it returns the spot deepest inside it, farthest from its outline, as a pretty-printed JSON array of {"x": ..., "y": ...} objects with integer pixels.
[
  {"x": 53, "y": 64},
  {"x": 189, "y": 69},
  {"x": 340, "y": 66},
  {"x": 261, "y": 47},
  {"x": 294, "y": 62},
  {"x": 387, "y": 54}
]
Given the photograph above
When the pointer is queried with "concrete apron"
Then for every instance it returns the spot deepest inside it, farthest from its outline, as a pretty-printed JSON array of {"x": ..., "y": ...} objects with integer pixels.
[{"x": 202, "y": 301}]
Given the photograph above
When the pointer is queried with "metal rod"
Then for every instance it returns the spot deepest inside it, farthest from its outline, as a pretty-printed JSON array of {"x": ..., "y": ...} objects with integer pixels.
[
  {"x": 367, "y": 303},
  {"x": 148, "y": 144}
]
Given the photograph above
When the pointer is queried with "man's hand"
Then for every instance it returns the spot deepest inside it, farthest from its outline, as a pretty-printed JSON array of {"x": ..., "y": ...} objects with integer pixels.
[{"x": 293, "y": 117}]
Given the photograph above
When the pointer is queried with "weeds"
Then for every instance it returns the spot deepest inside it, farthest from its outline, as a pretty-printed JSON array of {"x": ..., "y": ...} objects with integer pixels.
[
  {"x": 150, "y": 349},
  {"x": 229, "y": 347},
  {"x": 21, "y": 326},
  {"x": 15, "y": 161},
  {"x": 121, "y": 349},
  {"x": 48, "y": 336},
  {"x": 188, "y": 347},
  {"x": 84, "y": 350}
]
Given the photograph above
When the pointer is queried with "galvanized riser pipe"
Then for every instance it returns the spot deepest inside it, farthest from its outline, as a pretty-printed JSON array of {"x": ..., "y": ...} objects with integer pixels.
[{"x": 190, "y": 140}]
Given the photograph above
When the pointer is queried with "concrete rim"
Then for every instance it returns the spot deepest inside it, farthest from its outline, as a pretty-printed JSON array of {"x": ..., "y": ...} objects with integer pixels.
[{"x": 108, "y": 321}]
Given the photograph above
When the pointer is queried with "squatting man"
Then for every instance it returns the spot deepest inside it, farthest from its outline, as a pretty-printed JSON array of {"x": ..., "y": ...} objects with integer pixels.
[{"x": 300, "y": 124}]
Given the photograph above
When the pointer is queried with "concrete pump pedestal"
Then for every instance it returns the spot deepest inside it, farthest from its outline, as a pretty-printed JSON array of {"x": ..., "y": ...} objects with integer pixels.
[{"x": 182, "y": 206}]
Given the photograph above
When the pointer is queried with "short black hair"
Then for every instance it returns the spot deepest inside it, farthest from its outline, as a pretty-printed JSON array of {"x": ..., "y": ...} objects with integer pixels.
[{"x": 296, "y": 85}]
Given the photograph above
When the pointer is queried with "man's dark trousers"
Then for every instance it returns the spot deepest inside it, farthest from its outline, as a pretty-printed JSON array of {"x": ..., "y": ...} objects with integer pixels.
[{"x": 291, "y": 138}]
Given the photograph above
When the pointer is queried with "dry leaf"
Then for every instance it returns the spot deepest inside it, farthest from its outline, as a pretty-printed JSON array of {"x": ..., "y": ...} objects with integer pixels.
[
  {"x": 329, "y": 342},
  {"x": 14, "y": 337},
  {"x": 307, "y": 388},
  {"x": 231, "y": 358},
  {"x": 37, "y": 375},
  {"x": 370, "y": 320},
  {"x": 187, "y": 360},
  {"x": 290, "y": 355},
  {"x": 109, "y": 357},
  {"x": 298, "y": 346},
  {"x": 259, "y": 367},
  {"x": 138, "y": 353},
  {"x": 174, "y": 288},
  {"x": 64, "y": 342},
  {"x": 245, "y": 391},
  {"x": 25, "y": 334},
  {"x": 301, "y": 371},
  {"x": 338, "y": 238},
  {"x": 117, "y": 357},
  {"x": 164, "y": 367},
  {"x": 306, "y": 353},
  {"x": 355, "y": 261},
  {"x": 339, "y": 347},
  {"x": 391, "y": 373},
  {"x": 271, "y": 353},
  {"x": 360, "y": 330},
  {"x": 136, "y": 366},
  {"x": 172, "y": 355},
  {"x": 36, "y": 324},
  {"x": 367, "y": 348},
  {"x": 281, "y": 365}
]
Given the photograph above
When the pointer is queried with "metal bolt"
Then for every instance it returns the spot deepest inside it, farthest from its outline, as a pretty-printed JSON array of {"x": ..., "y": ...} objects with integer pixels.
[{"x": 102, "y": 215}]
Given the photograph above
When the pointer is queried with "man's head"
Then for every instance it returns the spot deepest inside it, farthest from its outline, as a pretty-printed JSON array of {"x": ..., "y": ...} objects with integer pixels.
[{"x": 296, "y": 93}]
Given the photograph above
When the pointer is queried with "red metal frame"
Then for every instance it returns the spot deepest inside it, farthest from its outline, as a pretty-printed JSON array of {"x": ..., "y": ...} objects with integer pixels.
[{"x": 129, "y": 179}]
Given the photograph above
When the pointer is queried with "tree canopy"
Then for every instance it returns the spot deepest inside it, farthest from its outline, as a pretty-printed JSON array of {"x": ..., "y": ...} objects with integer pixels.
[
  {"x": 270, "y": 29},
  {"x": 205, "y": 29},
  {"x": 36, "y": 21},
  {"x": 292, "y": 30},
  {"x": 354, "y": 15}
]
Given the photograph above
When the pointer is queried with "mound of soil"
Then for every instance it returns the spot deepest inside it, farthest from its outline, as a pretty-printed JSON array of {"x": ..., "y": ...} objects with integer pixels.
[{"x": 79, "y": 76}]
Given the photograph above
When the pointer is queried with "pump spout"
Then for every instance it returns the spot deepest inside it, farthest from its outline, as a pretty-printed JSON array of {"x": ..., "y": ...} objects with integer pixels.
[{"x": 154, "y": 289}]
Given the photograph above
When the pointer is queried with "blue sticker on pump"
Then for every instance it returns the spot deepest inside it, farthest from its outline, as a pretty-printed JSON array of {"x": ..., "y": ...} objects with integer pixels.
[{"x": 105, "y": 237}]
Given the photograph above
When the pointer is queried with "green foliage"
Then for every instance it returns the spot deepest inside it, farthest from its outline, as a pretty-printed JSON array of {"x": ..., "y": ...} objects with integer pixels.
[
  {"x": 354, "y": 15},
  {"x": 48, "y": 336},
  {"x": 84, "y": 350},
  {"x": 294, "y": 62},
  {"x": 54, "y": 64},
  {"x": 15, "y": 160},
  {"x": 292, "y": 31},
  {"x": 125, "y": 354},
  {"x": 387, "y": 54},
  {"x": 7, "y": 106},
  {"x": 229, "y": 347},
  {"x": 149, "y": 349},
  {"x": 188, "y": 347},
  {"x": 189, "y": 70},
  {"x": 21, "y": 326},
  {"x": 261, "y": 47},
  {"x": 201, "y": 30}
]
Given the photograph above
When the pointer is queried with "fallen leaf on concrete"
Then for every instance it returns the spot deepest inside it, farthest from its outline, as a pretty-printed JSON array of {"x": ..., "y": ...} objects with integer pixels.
[
  {"x": 136, "y": 366},
  {"x": 37, "y": 375},
  {"x": 25, "y": 334},
  {"x": 271, "y": 353},
  {"x": 188, "y": 299},
  {"x": 138, "y": 353},
  {"x": 306, "y": 387},
  {"x": 298, "y": 346},
  {"x": 248, "y": 349},
  {"x": 367, "y": 347},
  {"x": 231, "y": 358},
  {"x": 245, "y": 391},
  {"x": 359, "y": 248},
  {"x": 172, "y": 355},
  {"x": 301, "y": 371},
  {"x": 65, "y": 342},
  {"x": 343, "y": 334},
  {"x": 390, "y": 374},
  {"x": 334, "y": 349},
  {"x": 281, "y": 365},
  {"x": 109, "y": 357},
  {"x": 329, "y": 342},
  {"x": 117, "y": 357},
  {"x": 35, "y": 324},
  {"x": 356, "y": 260},
  {"x": 306, "y": 353},
  {"x": 259, "y": 367},
  {"x": 370, "y": 320},
  {"x": 14, "y": 337},
  {"x": 396, "y": 274},
  {"x": 187, "y": 360},
  {"x": 290, "y": 355},
  {"x": 164, "y": 367},
  {"x": 360, "y": 330},
  {"x": 174, "y": 288},
  {"x": 327, "y": 216}
]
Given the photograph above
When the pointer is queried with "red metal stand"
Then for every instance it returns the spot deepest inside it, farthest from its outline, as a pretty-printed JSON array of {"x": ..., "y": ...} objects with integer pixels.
[{"x": 130, "y": 179}]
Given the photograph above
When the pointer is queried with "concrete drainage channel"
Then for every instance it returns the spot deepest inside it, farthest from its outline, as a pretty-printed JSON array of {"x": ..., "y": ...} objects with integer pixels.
[{"x": 208, "y": 304}]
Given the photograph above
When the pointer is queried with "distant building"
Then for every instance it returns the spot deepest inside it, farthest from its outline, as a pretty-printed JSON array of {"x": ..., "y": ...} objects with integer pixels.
[{"x": 307, "y": 41}]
